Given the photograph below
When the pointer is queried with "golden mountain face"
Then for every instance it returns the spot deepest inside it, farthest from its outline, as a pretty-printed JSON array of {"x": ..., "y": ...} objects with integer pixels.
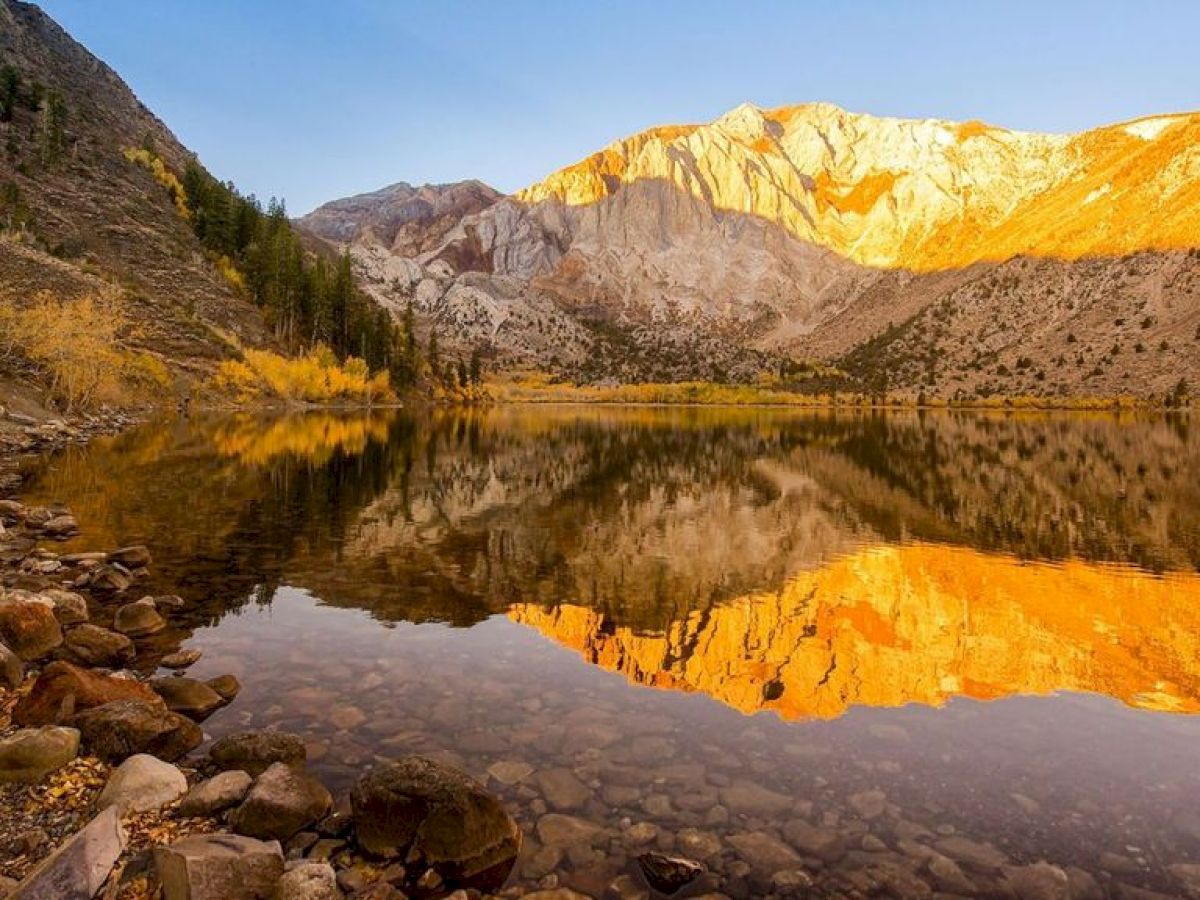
[
  {"x": 893, "y": 625},
  {"x": 923, "y": 195}
]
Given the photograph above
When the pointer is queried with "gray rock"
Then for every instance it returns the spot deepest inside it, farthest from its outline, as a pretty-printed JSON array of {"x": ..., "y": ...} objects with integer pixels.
[
  {"x": 141, "y": 784},
  {"x": 219, "y": 793},
  {"x": 219, "y": 867},
  {"x": 95, "y": 646},
  {"x": 416, "y": 806},
  {"x": 309, "y": 881},
  {"x": 77, "y": 869},
  {"x": 106, "y": 579},
  {"x": 30, "y": 754},
  {"x": 12, "y": 670},
  {"x": 118, "y": 730},
  {"x": 139, "y": 619},
  {"x": 282, "y": 801},
  {"x": 192, "y": 698},
  {"x": 256, "y": 751}
]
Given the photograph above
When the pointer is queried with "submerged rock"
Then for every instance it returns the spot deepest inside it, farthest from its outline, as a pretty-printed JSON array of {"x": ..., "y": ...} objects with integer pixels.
[
  {"x": 669, "y": 874},
  {"x": 141, "y": 784},
  {"x": 120, "y": 729},
  {"x": 219, "y": 867},
  {"x": 282, "y": 802},
  {"x": 181, "y": 659},
  {"x": 418, "y": 809},
  {"x": 63, "y": 689},
  {"x": 30, "y": 754},
  {"x": 192, "y": 698},
  {"x": 136, "y": 557},
  {"x": 256, "y": 751},
  {"x": 139, "y": 619},
  {"x": 227, "y": 686}
]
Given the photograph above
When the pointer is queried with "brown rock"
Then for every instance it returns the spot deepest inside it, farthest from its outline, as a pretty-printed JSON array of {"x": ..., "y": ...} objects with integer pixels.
[
  {"x": 116, "y": 731},
  {"x": 12, "y": 670},
  {"x": 226, "y": 685},
  {"x": 63, "y": 690},
  {"x": 30, "y": 754},
  {"x": 669, "y": 874},
  {"x": 256, "y": 751},
  {"x": 192, "y": 698},
  {"x": 29, "y": 628},
  {"x": 139, "y": 619},
  {"x": 216, "y": 795},
  {"x": 60, "y": 526},
  {"x": 95, "y": 646},
  {"x": 418, "y": 808},
  {"x": 136, "y": 557},
  {"x": 106, "y": 578},
  {"x": 282, "y": 801}
]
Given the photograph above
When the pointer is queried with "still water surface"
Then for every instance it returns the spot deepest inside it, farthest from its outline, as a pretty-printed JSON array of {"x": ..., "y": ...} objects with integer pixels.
[{"x": 787, "y": 640}]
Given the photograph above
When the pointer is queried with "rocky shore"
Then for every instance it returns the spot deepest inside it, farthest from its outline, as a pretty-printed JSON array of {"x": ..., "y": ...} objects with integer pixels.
[{"x": 22, "y": 435}]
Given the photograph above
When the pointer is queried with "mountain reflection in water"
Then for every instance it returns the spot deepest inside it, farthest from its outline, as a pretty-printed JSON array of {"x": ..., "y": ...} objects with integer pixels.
[{"x": 796, "y": 562}]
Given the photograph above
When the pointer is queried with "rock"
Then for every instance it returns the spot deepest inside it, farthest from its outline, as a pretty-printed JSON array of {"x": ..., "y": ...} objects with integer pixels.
[
  {"x": 282, "y": 801},
  {"x": 192, "y": 698},
  {"x": 1040, "y": 881},
  {"x": 137, "y": 557},
  {"x": 346, "y": 718},
  {"x": 256, "y": 751},
  {"x": 1188, "y": 876},
  {"x": 792, "y": 883},
  {"x": 561, "y": 893},
  {"x": 701, "y": 844},
  {"x": 868, "y": 804},
  {"x": 751, "y": 799},
  {"x": 30, "y": 754},
  {"x": 141, "y": 784},
  {"x": 418, "y": 808},
  {"x": 69, "y": 608},
  {"x": 181, "y": 659},
  {"x": 60, "y": 526},
  {"x": 309, "y": 881},
  {"x": 219, "y": 867},
  {"x": 139, "y": 619},
  {"x": 948, "y": 876},
  {"x": 77, "y": 869},
  {"x": 107, "y": 579},
  {"x": 669, "y": 874},
  {"x": 63, "y": 689},
  {"x": 562, "y": 790},
  {"x": 11, "y": 511},
  {"x": 215, "y": 795},
  {"x": 765, "y": 853},
  {"x": 823, "y": 843},
  {"x": 510, "y": 771},
  {"x": 28, "y": 629},
  {"x": 118, "y": 730},
  {"x": 973, "y": 855},
  {"x": 557, "y": 830},
  {"x": 12, "y": 670},
  {"x": 96, "y": 646},
  {"x": 226, "y": 686}
]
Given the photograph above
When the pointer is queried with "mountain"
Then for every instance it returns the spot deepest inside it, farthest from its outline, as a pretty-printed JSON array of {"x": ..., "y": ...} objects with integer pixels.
[
  {"x": 959, "y": 257},
  {"x": 78, "y": 218}
]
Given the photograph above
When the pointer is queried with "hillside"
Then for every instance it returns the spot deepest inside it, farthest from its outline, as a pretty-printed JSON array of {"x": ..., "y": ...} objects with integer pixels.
[{"x": 955, "y": 257}]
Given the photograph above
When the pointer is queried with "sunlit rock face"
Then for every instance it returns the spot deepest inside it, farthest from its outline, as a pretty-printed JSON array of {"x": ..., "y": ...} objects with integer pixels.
[{"x": 889, "y": 626}]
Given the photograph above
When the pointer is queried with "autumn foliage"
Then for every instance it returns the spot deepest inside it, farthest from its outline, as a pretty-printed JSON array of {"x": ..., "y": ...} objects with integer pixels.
[{"x": 317, "y": 377}]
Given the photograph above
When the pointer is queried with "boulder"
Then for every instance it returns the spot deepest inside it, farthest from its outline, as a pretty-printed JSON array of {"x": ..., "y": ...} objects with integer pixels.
[
  {"x": 77, "y": 869},
  {"x": 69, "y": 607},
  {"x": 136, "y": 557},
  {"x": 30, "y": 754},
  {"x": 219, "y": 867},
  {"x": 63, "y": 690},
  {"x": 216, "y": 795},
  {"x": 256, "y": 751},
  {"x": 61, "y": 526},
  {"x": 12, "y": 670},
  {"x": 282, "y": 801},
  {"x": 141, "y": 784},
  {"x": 419, "y": 809},
  {"x": 96, "y": 646},
  {"x": 309, "y": 881},
  {"x": 226, "y": 685},
  {"x": 668, "y": 874},
  {"x": 192, "y": 698},
  {"x": 28, "y": 628},
  {"x": 118, "y": 730},
  {"x": 139, "y": 619}
]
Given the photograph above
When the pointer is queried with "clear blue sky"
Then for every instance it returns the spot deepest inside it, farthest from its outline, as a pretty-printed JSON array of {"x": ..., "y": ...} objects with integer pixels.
[{"x": 314, "y": 99}]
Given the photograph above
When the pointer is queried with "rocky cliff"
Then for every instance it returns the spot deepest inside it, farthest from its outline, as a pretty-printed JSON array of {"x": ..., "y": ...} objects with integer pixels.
[{"x": 921, "y": 253}]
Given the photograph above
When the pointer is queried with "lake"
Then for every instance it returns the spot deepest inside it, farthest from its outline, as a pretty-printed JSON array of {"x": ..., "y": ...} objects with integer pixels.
[{"x": 864, "y": 645}]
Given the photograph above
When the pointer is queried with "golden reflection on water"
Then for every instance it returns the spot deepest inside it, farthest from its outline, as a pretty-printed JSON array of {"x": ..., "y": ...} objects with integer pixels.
[
  {"x": 315, "y": 436},
  {"x": 892, "y": 625}
]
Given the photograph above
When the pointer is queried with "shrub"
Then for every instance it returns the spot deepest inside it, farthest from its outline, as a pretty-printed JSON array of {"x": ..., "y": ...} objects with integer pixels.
[{"x": 316, "y": 377}]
